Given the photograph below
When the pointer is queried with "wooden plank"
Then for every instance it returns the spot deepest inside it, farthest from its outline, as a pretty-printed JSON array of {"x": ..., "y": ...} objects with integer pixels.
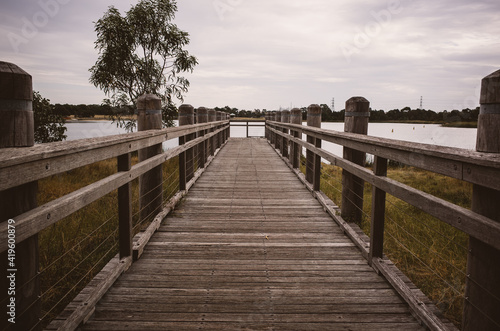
[
  {"x": 249, "y": 325},
  {"x": 97, "y": 288},
  {"x": 222, "y": 262},
  {"x": 139, "y": 245},
  {"x": 418, "y": 306}
]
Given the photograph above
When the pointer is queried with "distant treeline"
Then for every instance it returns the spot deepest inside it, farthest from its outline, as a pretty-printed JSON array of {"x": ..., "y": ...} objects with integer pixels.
[
  {"x": 84, "y": 111},
  {"x": 403, "y": 115}
]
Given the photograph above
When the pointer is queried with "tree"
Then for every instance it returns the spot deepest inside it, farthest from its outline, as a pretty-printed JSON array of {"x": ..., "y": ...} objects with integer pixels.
[
  {"x": 326, "y": 113},
  {"x": 142, "y": 52},
  {"x": 49, "y": 126}
]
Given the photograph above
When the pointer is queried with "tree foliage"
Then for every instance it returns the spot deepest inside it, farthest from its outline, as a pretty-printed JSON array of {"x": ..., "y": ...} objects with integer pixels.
[
  {"x": 142, "y": 52},
  {"x": 49, "y": 126}
]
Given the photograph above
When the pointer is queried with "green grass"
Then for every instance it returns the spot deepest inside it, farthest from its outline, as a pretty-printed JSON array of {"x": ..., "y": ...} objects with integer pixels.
[
  {"x": 74, "y": 250},
  {"x": 460, "y": 125},
  {"x": 431, "y": 253}
]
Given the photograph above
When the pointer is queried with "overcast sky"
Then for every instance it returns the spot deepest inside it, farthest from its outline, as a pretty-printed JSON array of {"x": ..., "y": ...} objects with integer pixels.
[{"x": 267, "y": 54}]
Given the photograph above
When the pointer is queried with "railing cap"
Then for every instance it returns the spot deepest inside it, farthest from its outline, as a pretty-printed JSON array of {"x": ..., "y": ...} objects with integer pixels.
[{"x": 15, "y": 83}]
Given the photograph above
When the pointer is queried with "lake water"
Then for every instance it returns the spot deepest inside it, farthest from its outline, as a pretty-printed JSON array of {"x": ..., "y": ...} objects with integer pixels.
[{"x": 422, "y": 133}]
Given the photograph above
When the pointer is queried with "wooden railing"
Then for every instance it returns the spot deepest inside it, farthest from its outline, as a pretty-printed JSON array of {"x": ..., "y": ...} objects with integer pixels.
[
  {"x": 482, "y": 169},
  {"x": 22, "y": 167},
  {"x": 250, "y": 123}
]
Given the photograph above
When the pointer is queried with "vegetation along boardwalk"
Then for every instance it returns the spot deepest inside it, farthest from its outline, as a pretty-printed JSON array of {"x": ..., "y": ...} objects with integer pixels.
[{"x": 250, "y": 248}]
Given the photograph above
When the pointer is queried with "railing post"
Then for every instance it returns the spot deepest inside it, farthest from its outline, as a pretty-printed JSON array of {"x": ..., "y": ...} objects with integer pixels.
[
  {"x": 272, "y": 135},
  {"x": 266, "y": 118},
  {"x": 482, "y": 291},
  {"x": 218, "y": 119},
  {"x": 285, "y": 118},
  {"x": 378, "y": 212},
  {"x": 202, "y": 117},
  {"x": 186, "y": 117},
  {"x": 357, "y": 112},
  {"x": 150, "y": 188},
  {"x": 219, "y": 135},
  {"x": 296, "y": 118},
  {"x": 313, "y": 161},
  {"x": 17, "y": 130},
  {"x": 125, "y": 229},
  {"x": 277, "y": 140},
  {"x": 224, "y": 133},
  {"x": 212, "y": 117}
]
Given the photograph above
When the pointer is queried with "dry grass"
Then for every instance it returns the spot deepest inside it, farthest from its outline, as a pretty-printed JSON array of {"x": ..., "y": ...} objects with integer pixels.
[
  {"x": 431, "y": 253},
  {"x": 75, "y": 249}
]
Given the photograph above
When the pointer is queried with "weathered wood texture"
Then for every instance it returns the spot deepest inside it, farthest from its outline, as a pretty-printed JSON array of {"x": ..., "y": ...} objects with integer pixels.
[
  {"x": 474, "y": 167},
  {"x": 378, "y": 212},
  {"x": 313, "y": 162},
  {"x": 202, "y": 117},
  {"x": 421, "y": 306},
  {"x": 296, "y": 149},
  {"x": 186, "y": 165},
  {"x": 149, "y": 118},
  {"x": 277, "y": 141},
  {"x": 356, "y": 121},
  {"x": 482, "y": 293},
  {"x": 249, "y": 248},
  {"x": 17, "y": 130},
  {"x": 285, "y": 118},
  {"x": 37, "y": 219},
  {"x": 250, "y": 123},
  {"x": 45, "y": 160},
  {"x": 125, "y": 208},
  {"x": 474, "y": 224},
  {"x": 212, "y": 117}
]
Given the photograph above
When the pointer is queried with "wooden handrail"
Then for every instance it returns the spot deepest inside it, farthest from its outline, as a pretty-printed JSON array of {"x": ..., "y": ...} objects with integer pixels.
[
  {"x": 470, "y": 166},
  {"x": 463, "y": 219},
  {"x": 247, "y": 124},
  {"x": 39, "y": 218},
  {"x": 45, "y": 160}
]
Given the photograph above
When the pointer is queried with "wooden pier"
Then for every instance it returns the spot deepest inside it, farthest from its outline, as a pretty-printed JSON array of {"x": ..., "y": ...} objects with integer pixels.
[
  {"x": 250, "y": 248},
  {"x": 254, "y": 244}
]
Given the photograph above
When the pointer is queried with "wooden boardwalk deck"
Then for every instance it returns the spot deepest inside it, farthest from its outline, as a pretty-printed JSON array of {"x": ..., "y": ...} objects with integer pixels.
[{"x": 250, "y": 249}]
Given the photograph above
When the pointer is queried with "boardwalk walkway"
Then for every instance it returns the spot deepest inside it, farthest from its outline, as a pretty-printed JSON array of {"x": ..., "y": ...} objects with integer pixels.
[{"x": 250, "y": 249}]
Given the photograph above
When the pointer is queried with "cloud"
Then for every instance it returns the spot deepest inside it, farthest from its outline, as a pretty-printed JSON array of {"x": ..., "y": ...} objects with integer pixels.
[{"x": 263, "y": 54}]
